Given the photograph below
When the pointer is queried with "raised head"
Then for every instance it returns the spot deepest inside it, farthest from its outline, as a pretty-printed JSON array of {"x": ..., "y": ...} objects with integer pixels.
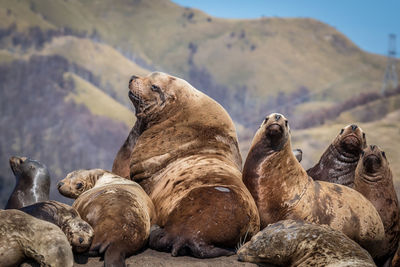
[
  {"x": 351, "y": 140},
  {"x": 273, "y": 133},
  {"x": 77, "y": 182},
  {"x": 25, "y": 167},
  {"x": 155, "y": 94},
  {"x": 372, "y": 164}
]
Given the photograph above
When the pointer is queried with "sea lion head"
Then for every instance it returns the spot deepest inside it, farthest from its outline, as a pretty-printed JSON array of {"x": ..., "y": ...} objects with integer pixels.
[
  {"x": 77, "y": 182},
  {"x": 79, "y": 234},
  {"x": 350, "y": 140},
  {"x": 152, "y": 95},
  {"x": 25, "y": 167},
  {"x": 372, "y": 163},
  {"x": 274, "y": 244},
  {"x": 274, "y": 132}
]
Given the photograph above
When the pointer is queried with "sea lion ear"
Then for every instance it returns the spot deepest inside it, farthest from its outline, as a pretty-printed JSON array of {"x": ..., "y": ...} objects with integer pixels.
[
  {"x": 362, "y": 153},
  {"x": 341, "y": 131}
]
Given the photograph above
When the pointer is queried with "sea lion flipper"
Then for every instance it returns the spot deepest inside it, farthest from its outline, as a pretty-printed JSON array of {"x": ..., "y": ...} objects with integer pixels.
[{"x": 114, "y": 256}]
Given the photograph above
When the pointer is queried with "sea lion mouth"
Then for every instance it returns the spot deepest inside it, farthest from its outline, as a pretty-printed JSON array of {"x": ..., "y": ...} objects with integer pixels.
[
  {"x": 134, "y": 98},
  {"x": 372, "y": 163},
  {"x": 15, "y": 162},
  {"x": 274, "y": 131},
  {"x": 352, "y": 144}
]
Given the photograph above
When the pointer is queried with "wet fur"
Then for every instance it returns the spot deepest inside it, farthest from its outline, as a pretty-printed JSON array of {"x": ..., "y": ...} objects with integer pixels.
[
  {"x": 24, "y": 237},
  {"x": 118, "y": 209},
  {"x": 298, "y": 243},
  {"x": 378, "y": 188},
  {"x": 32, "y": 183},
  {"x": 187, "y": 159},
  {"x": 65, "y": 217},
  {"x": 283, "y": 190},
  {"x": 337, "y": 165}
]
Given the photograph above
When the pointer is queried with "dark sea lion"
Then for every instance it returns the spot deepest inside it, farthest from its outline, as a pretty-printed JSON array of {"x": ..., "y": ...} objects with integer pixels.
[
  {"x": 374, "y": 180},
  {"x": 118, "y": 209},
  {"x": 282, "y": 189},
  {"x": 298, "y": 243},
  {"x": 339, "y": 161},
  {"x": 298, "y": 153},
  {"x": 24, "y": 237},
  {"x": 78, "y": 232},
  {"x": 185, "y": 155},
  {"x": 32, "y": 185}
]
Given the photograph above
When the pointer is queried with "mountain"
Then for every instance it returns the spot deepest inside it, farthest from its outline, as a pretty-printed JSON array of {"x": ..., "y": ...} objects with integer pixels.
[{"x": 78, "y": 56}]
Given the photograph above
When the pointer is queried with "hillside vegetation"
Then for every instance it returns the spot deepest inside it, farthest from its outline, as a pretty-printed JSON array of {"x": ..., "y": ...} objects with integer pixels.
[{"x": 74, "y": 59}]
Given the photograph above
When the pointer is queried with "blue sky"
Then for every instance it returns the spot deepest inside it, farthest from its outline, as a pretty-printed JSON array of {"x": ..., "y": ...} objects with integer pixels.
[{"x": 366, "y": 22}]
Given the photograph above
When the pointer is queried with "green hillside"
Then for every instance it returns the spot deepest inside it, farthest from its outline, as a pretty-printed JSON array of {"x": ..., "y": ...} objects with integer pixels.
[{"x": 253, "y": 60}]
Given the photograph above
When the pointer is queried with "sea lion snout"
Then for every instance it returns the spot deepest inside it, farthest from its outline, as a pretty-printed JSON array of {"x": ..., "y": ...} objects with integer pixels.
[
  {"x": 274, "y": 130},
  {"x": 60, "y": 184},
  {"x": 133, "y": 77},
  {"x": 371, "y": 163}
]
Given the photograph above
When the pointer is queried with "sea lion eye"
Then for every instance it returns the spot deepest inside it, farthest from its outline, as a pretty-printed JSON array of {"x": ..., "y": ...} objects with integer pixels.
[
  {"x": 341, "y": 131},
  {"x": 266, "y": 119},
  {"x": 362, "y": 153},
  {"x": 155, "y": 88},
  {"x": 286, "y": 123},
  {"x": 364, "y": 135},
  {"x": 79, "y": 185},
  {"x": 384, "y": 154}
]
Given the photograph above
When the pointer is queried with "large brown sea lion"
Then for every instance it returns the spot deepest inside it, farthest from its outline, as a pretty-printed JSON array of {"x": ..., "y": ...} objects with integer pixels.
[
  {"x": 282, "y": 189},
  {"x": 32, "y": 182},
  {"x": 24, "y": 237},
  {"x": 339, "y": 161},
  {"x": 118, "y": 209},
  {"x": 185, "y": 155},
  {"x": 374, "y": 180},
  {"x": 298, "y": 243},
  {"x": 78, "y": 232}
]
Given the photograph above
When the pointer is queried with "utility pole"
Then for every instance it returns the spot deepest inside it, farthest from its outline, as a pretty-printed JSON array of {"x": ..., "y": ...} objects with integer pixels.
[{"x": 390, "y": 79}]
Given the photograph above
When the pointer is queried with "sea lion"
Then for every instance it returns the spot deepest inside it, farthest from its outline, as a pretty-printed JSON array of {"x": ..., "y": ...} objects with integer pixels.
[
  {"x": 298, "y": 153},
  {"x": 339, "y": 161},
  {"x": 118, "y": 209},
  {"x": 374, "y": 180},
  {"x": 283, "y": 190},
  {"x": 32, "y": 185},
  {"x": 186, "y": 157},
  {"x": 298, "y": 243},
  {"x": 23, "y": 237},
  {"x": 79, "y": 233}
]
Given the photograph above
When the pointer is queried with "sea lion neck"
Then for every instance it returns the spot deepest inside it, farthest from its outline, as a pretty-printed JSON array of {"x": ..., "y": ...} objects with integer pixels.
[{"x": 335, "y": 166}]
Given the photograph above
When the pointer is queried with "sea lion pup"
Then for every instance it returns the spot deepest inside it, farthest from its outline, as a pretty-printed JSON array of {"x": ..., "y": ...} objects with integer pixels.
[
  {"x": 118, "y": 209},
  {"x": 298, "y": 243},
  {"x": 374, "y": 180},
  {"x": 282, "y": 189},
  {"x": 23, "y": 237},
  {"x": 32, "y": 185},
  {"x": 339, "y": 161},
  {"x": 79, "y": 233},
  {"x": 186, "y": 157}
]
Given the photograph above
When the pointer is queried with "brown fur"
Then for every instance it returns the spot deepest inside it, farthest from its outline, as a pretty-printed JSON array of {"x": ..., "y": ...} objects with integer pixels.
[
  {"x": 78, "y": 232},
  {"x": 24, "y": 237},
  {"x": 283, "y": 190},
  {"x": 118, "y": 209},
  {"x": 298, "y": 243},
  {"x": 187, "y": 159},
  {"x": 374, "y": 180},
  {"x": 339, "y": 161}
]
